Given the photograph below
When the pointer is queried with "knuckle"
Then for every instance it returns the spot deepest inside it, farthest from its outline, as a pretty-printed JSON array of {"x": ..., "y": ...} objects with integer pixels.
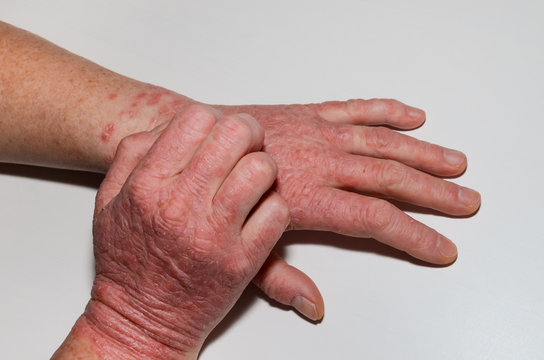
[
  {"x": 138, "y": 194},
  {"x": 391, "y": 175},
  {"x": 337, "y": 133},
  {"x": 199, "y": 118},
  {"x": 380, "y": 139},
  {"x": 235, "y": 129},
  {"x": 200, "y": 110},
  {"x": 126, "y": 143},
  {"x": 259, "y": 163},
  {"x": 354, "y": 106},
  {"x": 377, "y": 217},
  {"x": 129, "y": 143},
  {"x": 248, "y": 119},
  {"x": 392, "y": 107}
]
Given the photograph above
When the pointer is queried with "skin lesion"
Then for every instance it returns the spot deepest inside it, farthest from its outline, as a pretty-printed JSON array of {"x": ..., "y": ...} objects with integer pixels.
[
  {"x": 155, "y": 103},
  {"x": 107, "y": 132}
]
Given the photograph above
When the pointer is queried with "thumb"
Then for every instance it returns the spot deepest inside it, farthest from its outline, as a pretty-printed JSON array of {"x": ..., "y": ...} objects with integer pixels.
[
  {"x": 129, "y": 153},
  {"x": 290, "y": 286}
]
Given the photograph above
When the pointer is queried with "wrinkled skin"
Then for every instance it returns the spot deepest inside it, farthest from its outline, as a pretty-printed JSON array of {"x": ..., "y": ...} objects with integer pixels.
[
  {"x": 337, "y": 163},
  {"x": 334, "y": 158},
  {"x": 176, "y": 239}
]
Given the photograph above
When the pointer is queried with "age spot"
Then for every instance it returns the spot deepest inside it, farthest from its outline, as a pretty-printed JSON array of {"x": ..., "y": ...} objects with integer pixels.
[{"x": 106, "y": 133}]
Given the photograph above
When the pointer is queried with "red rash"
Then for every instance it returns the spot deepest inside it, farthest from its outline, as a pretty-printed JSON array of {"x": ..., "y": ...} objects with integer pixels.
[
  {"x": 154, "y": 99},
  {"x": 106, "y": 133},
  {"x": 159, "y": 104}
]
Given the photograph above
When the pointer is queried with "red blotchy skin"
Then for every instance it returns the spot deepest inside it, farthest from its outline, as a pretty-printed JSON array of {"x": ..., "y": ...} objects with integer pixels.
[
  {"x": 174, "y": 242},
  {"x": 154, "y": 99},
  {"x": 107, "y": 132},
  {"x": 331, "y": 153},
  {"x": 112, "y": 96},
  {"x": 159, "y": 105},
  {"x": 324, "y": 149}
]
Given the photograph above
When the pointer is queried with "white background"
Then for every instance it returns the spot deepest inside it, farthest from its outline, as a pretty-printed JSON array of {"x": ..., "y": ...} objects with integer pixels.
[{"x": 476, "y": 67}]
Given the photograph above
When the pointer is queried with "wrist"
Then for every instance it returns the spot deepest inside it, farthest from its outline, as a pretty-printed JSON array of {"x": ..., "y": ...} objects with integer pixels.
[
  {"x": 138, "y": 107},
  {"x": 125, "y": 326}
]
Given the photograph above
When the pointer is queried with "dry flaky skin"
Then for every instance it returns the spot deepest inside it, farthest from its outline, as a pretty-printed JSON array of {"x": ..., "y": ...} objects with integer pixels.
[
  {"x": 327, "y": 156},
  {"x": 175, "y": 245}
]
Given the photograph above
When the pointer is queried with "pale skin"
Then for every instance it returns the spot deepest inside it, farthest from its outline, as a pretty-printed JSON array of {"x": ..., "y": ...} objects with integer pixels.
[{"x": 60, "y": 110}]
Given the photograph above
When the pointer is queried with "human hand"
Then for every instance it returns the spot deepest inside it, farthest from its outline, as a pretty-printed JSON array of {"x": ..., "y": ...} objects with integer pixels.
[
  {"x": 176, "y": 239},
  {"x": 336, "y": 170},
  {"x": 328, "y": 156},
  {"x": 336, "y": 167}
]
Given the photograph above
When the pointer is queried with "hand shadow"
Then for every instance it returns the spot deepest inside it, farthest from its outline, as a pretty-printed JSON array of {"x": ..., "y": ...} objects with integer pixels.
[
  {"x": 251, "y": 295},
  {"x": 70, "y": 177}
]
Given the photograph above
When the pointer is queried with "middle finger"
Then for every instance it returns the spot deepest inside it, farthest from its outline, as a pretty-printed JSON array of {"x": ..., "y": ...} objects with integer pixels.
[
  {"x": 393, "y": 179},
  {"x": 385, "y": 143}
]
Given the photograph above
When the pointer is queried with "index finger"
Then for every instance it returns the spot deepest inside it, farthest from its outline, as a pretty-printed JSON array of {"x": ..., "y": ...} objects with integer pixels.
[{"x": 371, "y": 112}]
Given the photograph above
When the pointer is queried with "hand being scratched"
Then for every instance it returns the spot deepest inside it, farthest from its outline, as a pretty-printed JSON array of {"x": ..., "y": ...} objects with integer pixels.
[{"x": 339, "y": 161}]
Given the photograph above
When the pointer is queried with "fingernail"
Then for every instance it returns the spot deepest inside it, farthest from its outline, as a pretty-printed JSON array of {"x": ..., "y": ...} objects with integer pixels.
[
  {"x": 415, "y": 113},
  {"x": 305, "y": 306},
  {"x": 454, "y": 157},
  {"x": 469, "y": 197},
  {"x": 446, "y": 248}
]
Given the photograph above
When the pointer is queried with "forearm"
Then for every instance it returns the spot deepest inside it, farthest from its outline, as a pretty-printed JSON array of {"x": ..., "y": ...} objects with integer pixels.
[{"x": 60, "y": 110}]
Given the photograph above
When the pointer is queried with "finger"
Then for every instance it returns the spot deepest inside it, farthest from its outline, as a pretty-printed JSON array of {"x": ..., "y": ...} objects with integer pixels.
[
  {"x": 385, "y": 143},
  {"x": 393, "y": 179},
  {"x": 129, "y": 153},
  {"x": 178, "y": 143},
  {"x": 231, "y": 138},
  {"x": 252, "y": 176},
  {"x": 264, "y": 227},
  {"x": 362, "y": 216},
  {"x": 372, "y": 112},
  {"x": 290, "y": 286}
]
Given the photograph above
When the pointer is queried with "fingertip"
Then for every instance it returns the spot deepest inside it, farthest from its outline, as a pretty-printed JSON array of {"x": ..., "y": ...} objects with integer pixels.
[
  {"x": 290, "y": 286},
  {"x": 471, "y": 199},
  {"x": 201, "y": 109},
  {"x": 456, "y": 160},
  {"x": 416, "y": 117},
  {"x": 307, "y": 308},
  {"x": 447, "y": 250}
]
